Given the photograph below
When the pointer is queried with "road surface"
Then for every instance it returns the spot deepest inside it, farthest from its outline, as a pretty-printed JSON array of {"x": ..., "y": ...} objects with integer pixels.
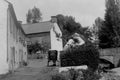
[{"x": 36, "y": 70}]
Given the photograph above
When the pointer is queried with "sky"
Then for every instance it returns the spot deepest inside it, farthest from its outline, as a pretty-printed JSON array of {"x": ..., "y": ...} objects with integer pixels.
[{"x": 84, "y": 11}]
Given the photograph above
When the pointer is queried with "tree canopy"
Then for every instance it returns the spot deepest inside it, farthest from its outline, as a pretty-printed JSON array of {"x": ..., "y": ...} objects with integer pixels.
[
  {"x": 34, "y": 15},
  {"x": 109, "y": 34},
  {"x": 69, "y": 26},
  {"x": 94, "y": 31}
]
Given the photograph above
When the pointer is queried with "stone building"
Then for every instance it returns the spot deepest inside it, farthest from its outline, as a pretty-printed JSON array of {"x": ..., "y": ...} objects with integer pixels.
[{"x": 13, "y": 39}]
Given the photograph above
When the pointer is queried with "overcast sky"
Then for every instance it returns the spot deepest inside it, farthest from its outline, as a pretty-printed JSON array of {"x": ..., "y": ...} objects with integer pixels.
[{"x": 84, "y": 11}]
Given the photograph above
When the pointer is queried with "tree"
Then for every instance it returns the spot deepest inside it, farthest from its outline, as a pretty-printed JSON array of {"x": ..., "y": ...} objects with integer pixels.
[
  {"x": 34, "y": 15},
  {"x": 34, "y": 47},
  {"x": 110, "y": 32},
  {"x": 94, "y": 31},
  {"x": 69, "y": 26},
  {"x": 68, "y": 23},
  {"x": 29, "y": 16}
]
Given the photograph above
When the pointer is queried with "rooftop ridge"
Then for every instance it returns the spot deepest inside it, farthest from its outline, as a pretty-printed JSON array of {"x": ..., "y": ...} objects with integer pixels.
[{"x": 35, "y": 23}]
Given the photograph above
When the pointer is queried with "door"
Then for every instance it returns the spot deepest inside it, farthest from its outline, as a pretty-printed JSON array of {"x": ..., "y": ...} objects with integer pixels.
[
  {"x": 12, "y": 59},
  {"x": 20, "y": 57}
]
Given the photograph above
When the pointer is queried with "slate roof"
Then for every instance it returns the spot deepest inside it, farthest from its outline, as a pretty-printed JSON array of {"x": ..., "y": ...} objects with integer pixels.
[{"x": 32, "y": 28}]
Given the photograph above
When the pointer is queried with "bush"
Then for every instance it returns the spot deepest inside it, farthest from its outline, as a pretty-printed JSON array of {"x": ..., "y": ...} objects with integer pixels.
[
  {"x": 58, "y": 77},
  {"x": 73, "y": 74},
  {"x": 83, "y": 75},
  {"x": 81, "y": 55},
  {"x": 90, "y": 75}
]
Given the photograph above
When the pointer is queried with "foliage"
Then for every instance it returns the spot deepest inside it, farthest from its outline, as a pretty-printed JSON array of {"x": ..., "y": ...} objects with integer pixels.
[
  {"x": 69, "y": 26},
  {"x": 45, "y": 46},
  {"x": 34, "y": 15},
  {"x": 58, "y": 77},
  {"x": 93, "y": 32},
  {"x": 37, "y": 46},
  {"x": 89, "y": 75},
  {"x": 86, "y": 54},
  {"x": 73, "y": 74},
  {"x": 109, "y": 34},
  {"x": 34, "y": 47}
]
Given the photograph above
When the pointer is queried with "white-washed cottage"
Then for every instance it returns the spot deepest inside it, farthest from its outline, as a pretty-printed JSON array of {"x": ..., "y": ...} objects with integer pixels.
[
  {"x": 47, "y": 32},
  {"x": 13, "y": 47}
]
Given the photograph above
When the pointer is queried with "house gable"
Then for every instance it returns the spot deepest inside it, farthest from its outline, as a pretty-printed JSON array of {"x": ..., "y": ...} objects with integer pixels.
[{"x": 33, "y": 28}]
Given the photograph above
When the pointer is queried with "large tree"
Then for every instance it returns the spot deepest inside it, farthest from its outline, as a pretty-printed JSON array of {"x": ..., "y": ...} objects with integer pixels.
[
  {"x": 110, "y": 32},
  {"x": 69, "y": 26},
  {"x": 94, "y": 31},
  {"x": 34, "y": 15},
  {"x": 68, "y": 23}
]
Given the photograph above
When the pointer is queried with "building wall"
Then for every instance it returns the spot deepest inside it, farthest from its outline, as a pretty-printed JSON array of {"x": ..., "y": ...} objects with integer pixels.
[
  {"x": 56, "y": 43},
  {"x": 3, "y": 37},
  {"x": 48, "y": 37},
  {"x": 17, "y": 49},
  {"x": 40, "y": 37}
]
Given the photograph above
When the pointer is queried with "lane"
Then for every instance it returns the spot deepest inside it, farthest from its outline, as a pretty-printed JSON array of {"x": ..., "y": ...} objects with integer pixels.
[{"x": 36, "y": 70}]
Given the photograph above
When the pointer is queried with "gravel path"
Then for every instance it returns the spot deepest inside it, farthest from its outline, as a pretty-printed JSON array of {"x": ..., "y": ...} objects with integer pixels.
[{"x": 36, "y": 70}]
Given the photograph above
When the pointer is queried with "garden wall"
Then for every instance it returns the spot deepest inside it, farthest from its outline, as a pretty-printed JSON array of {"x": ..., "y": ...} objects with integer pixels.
[{"x": 111, "y": 54}]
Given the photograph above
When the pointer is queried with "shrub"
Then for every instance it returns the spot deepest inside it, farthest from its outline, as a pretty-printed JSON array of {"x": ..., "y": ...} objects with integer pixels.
[
  {"x": 73, "y": 74},
  {"x": 58, "y": 77},
  {"x": 90, "y": 75},
  {"x": 83, "y": 75},
  {"x": 81, "y": 55}
]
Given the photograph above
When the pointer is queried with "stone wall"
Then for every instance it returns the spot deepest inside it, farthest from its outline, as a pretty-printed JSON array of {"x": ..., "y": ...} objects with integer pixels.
[{"x": 111, "y": 54}]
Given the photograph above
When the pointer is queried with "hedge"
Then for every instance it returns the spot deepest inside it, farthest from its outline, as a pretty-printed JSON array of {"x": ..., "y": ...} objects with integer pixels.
[{"x": 86, "y": 54}]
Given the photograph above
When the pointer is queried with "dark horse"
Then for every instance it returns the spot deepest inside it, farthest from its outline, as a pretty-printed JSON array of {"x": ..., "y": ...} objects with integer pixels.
[{"x": 52, "y": 56}]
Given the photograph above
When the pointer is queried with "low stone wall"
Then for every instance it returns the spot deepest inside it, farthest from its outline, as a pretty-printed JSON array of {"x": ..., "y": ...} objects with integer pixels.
[{"x": 111, "y": 54}]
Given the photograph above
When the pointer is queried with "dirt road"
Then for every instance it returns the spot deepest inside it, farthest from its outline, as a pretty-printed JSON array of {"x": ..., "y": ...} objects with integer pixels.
[{"x": 36, "y": 70}]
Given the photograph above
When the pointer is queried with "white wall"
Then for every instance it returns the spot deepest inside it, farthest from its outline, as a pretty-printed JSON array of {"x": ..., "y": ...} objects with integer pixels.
[
  {"x": 55, "y": 43},
  {"x": 9, "y": 41},
  {"x": 20, "y": 50},
  {"x": 3, "y": 37},
  {"x": 12, "y": 43}
]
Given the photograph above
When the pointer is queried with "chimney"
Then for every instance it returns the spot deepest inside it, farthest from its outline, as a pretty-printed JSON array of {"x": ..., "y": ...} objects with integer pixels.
[{"x": 53, "y": 19}]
